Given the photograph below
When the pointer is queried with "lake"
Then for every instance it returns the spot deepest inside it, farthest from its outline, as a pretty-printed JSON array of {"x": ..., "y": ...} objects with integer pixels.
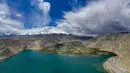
[{"x": 37, "y": 62}]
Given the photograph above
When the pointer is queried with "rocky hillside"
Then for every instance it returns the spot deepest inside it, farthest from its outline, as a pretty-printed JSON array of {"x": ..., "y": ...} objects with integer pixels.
[
  {"x": 119, "y": 44},
  {"x": 52, "y": 43}
]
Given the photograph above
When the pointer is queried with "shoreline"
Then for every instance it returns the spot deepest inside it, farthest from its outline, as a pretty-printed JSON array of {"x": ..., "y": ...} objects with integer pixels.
[{"x": 71, "y": 55}]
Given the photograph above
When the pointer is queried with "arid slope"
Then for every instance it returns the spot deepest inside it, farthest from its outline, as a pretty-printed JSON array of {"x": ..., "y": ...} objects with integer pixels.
[{"x": 119, "y": 44}]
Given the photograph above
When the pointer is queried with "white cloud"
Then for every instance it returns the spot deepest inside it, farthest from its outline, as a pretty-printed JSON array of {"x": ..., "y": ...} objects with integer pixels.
[
  {"x": 7, "y": 24},
  {"x": 98, "y": 17},
  {"x": 40, "y": 18}
]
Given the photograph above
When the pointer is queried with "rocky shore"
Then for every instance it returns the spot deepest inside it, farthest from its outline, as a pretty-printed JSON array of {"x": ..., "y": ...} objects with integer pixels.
[
  {"x": 118, "y": 44},
  {"x": 114, "y": 65}
]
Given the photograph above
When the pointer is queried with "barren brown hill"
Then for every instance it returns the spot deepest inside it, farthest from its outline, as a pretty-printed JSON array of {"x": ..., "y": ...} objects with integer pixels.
[{"x": 119, "y": 44}]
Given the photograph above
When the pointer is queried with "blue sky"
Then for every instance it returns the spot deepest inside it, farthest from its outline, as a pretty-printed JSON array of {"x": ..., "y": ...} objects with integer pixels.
[{"x": 58, "y": 7}]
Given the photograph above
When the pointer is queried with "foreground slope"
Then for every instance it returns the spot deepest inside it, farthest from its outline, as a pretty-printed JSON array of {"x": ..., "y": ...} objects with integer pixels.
[{"x": 118, "y": 43}]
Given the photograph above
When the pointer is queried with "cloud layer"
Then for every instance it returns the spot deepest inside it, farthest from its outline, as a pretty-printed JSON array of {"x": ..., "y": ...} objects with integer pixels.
[
  {"x": 44, "y": 30},
  {"x": 98, "y": 17},
  {"x": 10, "y": 25}
]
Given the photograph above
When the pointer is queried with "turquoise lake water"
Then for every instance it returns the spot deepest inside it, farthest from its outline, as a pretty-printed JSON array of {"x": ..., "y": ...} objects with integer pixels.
[{"x": 36, "y": 62}]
